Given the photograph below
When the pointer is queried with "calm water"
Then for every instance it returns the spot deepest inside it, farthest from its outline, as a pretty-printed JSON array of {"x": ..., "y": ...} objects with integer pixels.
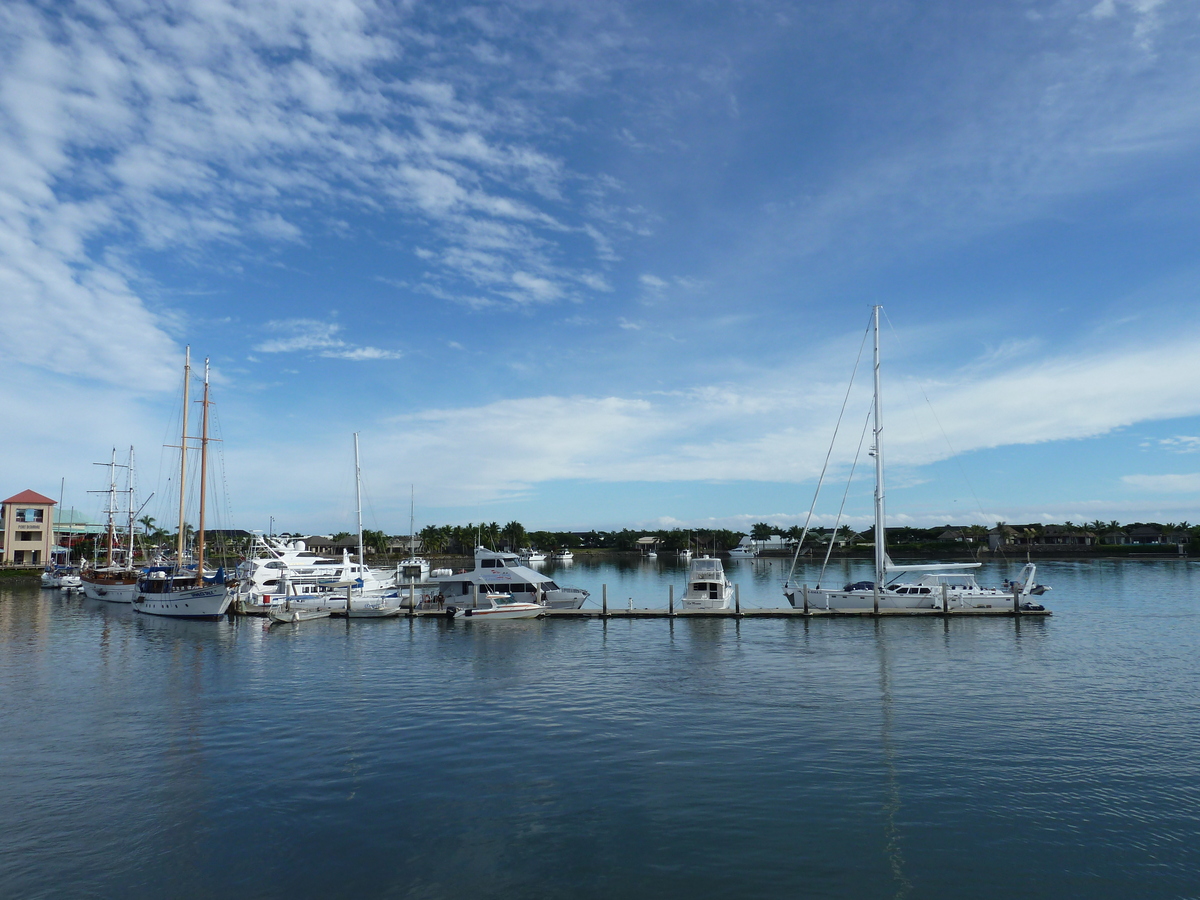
[{"x": 847, "y": 758}]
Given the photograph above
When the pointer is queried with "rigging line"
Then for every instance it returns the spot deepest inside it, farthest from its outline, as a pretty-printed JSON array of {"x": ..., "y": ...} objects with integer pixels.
[
  {"x": 854, "y": 465},
  {"x": 953, "y": 453},
  {"x": 828, "y": 454}
]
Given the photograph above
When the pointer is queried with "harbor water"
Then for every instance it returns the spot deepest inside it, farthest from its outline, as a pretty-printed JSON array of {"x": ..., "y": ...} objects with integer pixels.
[{"x": 928, "y": 758}]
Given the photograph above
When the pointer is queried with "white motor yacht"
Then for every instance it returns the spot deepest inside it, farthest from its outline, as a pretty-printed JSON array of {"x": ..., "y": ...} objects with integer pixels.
[
  {"x": 707, "y": 586},
  {"x": 503, "y": 573},
  {"x": 531, "y": 555}
]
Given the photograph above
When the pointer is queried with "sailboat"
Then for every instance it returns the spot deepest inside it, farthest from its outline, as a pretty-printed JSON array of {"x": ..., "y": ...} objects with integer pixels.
[
  {"x": 377, "y": 605},
  {"x": 175, "y": 591},
  {"x": 117, "y": 580},
  {"x": 953, "y": 583}
]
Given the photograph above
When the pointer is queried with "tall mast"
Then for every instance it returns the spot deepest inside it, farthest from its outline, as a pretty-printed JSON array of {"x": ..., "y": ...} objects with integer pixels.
[
  {"x": 880, "y": 551},
  {"x": 129, "y": 558},
  {"x": 358, "y": 503},
  {"x": 412, "y": 521},
  {"x": 112, "y": 505},
  {"x": 187, "y": 377},
  {"x": 203, "y": 478}
]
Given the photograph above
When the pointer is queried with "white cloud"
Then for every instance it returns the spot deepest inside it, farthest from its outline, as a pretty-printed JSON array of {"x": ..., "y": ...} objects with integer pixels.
[
  {"x": 310, "y": 335},
  {"x": 1186, "y": 483}
]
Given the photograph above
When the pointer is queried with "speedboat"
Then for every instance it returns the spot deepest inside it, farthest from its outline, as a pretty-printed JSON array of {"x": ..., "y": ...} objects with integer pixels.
[
  {"x": 498, "y": 606},
  {"x": 503, "y": 573},
  {"x": 707, "y": 586},
  {"x": 563, "y": 555},
  {"x": 285, "y": 615}
]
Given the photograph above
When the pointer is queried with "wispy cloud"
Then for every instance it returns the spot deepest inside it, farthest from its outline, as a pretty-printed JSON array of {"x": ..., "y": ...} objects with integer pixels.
[
  {"x": 1186, "y": 483},
  {"x": 319, "y": 338}
]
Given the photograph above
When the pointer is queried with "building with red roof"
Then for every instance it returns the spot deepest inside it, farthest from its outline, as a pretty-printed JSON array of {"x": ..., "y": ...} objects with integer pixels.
[{"x": 26, "y": 529}]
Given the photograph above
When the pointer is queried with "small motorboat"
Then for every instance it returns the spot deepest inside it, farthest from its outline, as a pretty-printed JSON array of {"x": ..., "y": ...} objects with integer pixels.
[
  {"x": 498, "y": 606},
  {"x": 286, "y": 614}
]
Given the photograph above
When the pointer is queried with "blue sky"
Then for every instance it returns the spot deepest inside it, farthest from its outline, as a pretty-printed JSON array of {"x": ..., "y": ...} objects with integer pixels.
[{"x": 607, "y": 264}]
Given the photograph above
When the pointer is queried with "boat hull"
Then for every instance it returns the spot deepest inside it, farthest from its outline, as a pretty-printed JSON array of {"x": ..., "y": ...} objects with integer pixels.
[
  {"x": 110, "y": 591},
  {"x": 821, "y": 599},
  {"x": 208, "y": 602},
  {"x": 508, "y": 611}
]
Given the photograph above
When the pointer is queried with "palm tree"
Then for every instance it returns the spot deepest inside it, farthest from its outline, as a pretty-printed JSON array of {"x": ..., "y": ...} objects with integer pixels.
[{"x": 147, "y": 522}]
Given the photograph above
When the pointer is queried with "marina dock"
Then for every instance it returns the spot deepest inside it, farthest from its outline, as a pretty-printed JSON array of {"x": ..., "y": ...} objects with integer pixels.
[{"x": 759, "y": 613}]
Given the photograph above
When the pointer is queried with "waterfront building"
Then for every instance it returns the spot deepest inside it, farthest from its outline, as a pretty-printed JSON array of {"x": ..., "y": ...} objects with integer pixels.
[{"x": 27, "y": 523}]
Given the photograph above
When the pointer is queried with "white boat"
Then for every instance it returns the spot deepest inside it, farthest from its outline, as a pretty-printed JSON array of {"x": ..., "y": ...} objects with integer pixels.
[
  {"x": 66, "y": 577},
  {"x": 271, "y": 562},
  {"x": 744, "y": 550},
  {"x": 175, "y": 591},
  {"x": 286, "y": 615},
  {"x": 498, "y": 606},
  {"x": 531, "y": 555},
  {"x": 953, "y": 581},
  {"x": 707, "y": 586},
  {"x": 361, "y": 601},
  {"x": 504, "y": 573},
  {"x": 563, "y": 555},
  {"x": 686, "y": 553}
]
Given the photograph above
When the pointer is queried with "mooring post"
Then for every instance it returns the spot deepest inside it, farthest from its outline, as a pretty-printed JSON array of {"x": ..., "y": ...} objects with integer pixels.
[
  {"x": 670, "y": 599},
  {"x": 604, "y": 601},
  {"x": 1016, "y": 600},
  {"x": 412, "y": 596},
  {"x": 945, "y": 600},
  {"x": 805, "y": 591},
  {"x": 875, "y": 593},
  {"x": 737, "y": 599},
  {"x": 349, "y": 591},
  {"x": 475, "y": 596}
]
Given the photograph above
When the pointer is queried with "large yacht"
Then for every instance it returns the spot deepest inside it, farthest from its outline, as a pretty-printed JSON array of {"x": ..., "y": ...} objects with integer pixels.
[
  {"x": 504, "y": 573},
  {"x": 275, "y": 567}
]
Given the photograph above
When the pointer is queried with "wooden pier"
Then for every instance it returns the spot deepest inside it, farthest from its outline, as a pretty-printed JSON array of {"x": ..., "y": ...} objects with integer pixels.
[{"x": 757, "y": 613}]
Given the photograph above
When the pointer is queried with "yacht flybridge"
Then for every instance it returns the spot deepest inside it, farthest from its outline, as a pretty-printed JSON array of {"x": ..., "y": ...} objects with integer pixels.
[
  {"x": 504, "y": 573},
  {"x": 892, "y": 588}
]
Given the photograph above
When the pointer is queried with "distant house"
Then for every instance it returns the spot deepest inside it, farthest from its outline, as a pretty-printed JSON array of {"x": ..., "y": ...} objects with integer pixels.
[
  {"x": 959, "y": 535},
  {"x": 1001, "y": 536},
  {"x": 1146, "y": 534},
  {"x": 1066, "y": 536},
  {"x": 1116, "y": 537}
]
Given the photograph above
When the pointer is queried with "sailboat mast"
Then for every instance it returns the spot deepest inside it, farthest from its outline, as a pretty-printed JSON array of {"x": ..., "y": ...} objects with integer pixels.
[
  {"x": 412, "y": 521},
  {"x": 203, "y": 478},
  {"x": 880, "y": 551},
  {"x": 132, "y": 484},
  {"x": 358, "y": 503},
  {"x": 187, "y": 377},
  {"x": 112, "y": 505}
]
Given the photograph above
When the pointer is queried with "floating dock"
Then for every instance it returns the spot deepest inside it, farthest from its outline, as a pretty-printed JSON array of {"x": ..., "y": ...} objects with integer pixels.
[{"x": 759, "y": 613}]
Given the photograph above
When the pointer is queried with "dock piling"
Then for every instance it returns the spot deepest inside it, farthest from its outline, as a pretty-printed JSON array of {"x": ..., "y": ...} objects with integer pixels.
[
  {"x": 876, "y": 598},
  {"x": 1016, "y": 600},
  {"x": 670, "y": 599},
  {"x": 945, "y": 600},
  {"x": 737, "y": 600},
  {"x": 604, "y": 600},
  {"x": 805, "y": 592}
]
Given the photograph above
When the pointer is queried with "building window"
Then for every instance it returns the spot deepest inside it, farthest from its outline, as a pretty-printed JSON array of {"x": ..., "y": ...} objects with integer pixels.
[
  {"x": 29, "y": 536},
  {"x": 18, "y": 557},
  {"x": 30, "y": 515}
]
